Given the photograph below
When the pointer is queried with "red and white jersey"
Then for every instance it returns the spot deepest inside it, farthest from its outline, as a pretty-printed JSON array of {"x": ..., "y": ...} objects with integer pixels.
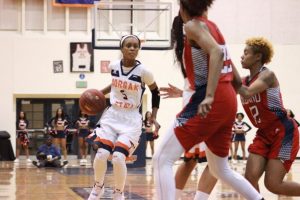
[
  {"x": 265, "y": 108},
  {"x": 128, "y": 85},
  {"x": 196, "y": 60}
]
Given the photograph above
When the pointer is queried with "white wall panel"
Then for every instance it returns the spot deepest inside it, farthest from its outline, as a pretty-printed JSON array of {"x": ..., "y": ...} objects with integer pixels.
[
  {"x": 9, "y": 15},
  {"x": 34, "y": 15}
]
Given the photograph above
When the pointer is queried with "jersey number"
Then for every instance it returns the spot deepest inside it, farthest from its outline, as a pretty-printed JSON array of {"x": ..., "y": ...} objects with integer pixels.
[
  {"x": 255, "y": 114},
  {"x": 227, "y": 68},
  {"x": 124, "y": 94}
]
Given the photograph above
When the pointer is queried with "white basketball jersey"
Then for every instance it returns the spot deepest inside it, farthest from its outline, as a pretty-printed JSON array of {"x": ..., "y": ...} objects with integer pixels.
[
  {"x": 127, "y": 88},
  {"x": 81, "y": 59}
]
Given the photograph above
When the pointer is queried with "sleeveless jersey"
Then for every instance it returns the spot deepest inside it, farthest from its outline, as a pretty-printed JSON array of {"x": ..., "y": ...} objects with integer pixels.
[
  {"x": 81, "y": 58},
  {"x": 83, "y": 122},
  {"x": 196, "y": 61},
  {"x": 240, "y": 125},
  {"x": 265, "y": 108},
  {"x": 60, "y": 122},
  {"x": 22, "y": 124},
  {"x": 126, "y": 88}
]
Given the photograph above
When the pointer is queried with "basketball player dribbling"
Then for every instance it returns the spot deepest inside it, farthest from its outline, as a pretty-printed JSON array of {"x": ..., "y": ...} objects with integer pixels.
[
  {"x": 120, "y": 125},
  {"x": 210, "y": 113},
  {"x": 276, "y": 143}
]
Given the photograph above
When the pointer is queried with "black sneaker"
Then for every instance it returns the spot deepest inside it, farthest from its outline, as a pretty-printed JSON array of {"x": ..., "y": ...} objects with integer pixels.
[
  {"x": 35, "y": 163},
  {"x": 64, "y": 163}
]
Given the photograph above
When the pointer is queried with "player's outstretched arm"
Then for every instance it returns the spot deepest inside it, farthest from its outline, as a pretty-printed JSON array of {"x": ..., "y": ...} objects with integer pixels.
[
  {"x": 170, "y": 92},
  {"x": 237, "y": 81},
  {"x": 266, "y": 80}
]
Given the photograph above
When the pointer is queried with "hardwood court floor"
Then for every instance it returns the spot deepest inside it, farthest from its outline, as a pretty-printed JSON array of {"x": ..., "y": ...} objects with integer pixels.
[{"x": 23, "y": 181}]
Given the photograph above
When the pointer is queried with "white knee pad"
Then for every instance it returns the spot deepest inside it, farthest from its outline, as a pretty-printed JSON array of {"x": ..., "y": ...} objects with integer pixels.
[
  {"x": 118, "y": 158},
  {"x": 102, "y": 154}
]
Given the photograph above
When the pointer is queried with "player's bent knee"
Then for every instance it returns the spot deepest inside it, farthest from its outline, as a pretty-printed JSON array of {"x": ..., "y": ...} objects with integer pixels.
[
  {"x": 102, "y": 154},
  {"x": 272, "y": 186},
  {"x": 212, "y": 170},
  {"x": 155, "y": 157},
  {"x": 118, "y": 158},
  {"x": 220, "y": 172},
  {"x": 159, "y": 159}
]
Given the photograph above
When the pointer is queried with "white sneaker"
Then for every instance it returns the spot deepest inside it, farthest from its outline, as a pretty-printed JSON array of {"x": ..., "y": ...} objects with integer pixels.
[
  {"x": 28, "y": 160},
  {"x": 117, "y": 195},
  {"x": 16, "y": 160},
  {"x": 82, "y": 162},
  {"x": 96, "y": 192},
  {"x": 245, "y": 161}
]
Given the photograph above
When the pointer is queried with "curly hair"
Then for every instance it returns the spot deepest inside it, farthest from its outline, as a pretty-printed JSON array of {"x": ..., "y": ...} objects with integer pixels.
[
  {"x": 196, "y": 7},
  {"x": 239, "y": 114},
  {"x": 263, "y": 46}
]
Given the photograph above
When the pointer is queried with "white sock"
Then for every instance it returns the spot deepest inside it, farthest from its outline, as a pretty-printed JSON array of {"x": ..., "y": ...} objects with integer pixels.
[
  {"x": 178, "y": 194},
  {"x": 100, "y": 165},
  {"x": 120, "y": 170},
  {"x": 201, "y": 195}
]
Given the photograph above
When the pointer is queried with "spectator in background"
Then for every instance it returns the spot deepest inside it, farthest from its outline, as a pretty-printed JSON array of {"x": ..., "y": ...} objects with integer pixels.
[
  {"x": 231, "y": 147},
  {"x": 22, "y": 136},
  {"x": 83, "y": 128},
  {"x": 58, "y": 125},
  {"x": 240, "y": 129},
  {"x": 291, "y": 114},
  {"x": 150, "y": 134},
  {"x": 48, "y": 155}
]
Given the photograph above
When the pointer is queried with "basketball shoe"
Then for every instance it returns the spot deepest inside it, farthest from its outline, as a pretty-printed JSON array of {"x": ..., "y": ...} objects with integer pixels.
[
  {"x": 96, "y": 192},
  {"x": 118, "y": 195}
]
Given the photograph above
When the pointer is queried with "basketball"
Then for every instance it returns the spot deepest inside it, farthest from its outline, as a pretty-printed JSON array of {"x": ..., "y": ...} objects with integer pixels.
[{"x": 92, "y": 102}]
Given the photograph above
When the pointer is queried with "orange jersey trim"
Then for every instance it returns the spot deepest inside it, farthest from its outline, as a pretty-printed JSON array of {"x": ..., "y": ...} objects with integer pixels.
[{"x": 124, "y": 146}]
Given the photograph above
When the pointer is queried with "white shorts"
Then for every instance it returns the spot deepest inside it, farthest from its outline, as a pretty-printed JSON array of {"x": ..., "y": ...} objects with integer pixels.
[{"x": 119, "y": 125}]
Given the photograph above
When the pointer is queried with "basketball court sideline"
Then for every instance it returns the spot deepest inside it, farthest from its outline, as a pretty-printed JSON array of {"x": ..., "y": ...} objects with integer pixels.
[{"x": 25, "y": 181}]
